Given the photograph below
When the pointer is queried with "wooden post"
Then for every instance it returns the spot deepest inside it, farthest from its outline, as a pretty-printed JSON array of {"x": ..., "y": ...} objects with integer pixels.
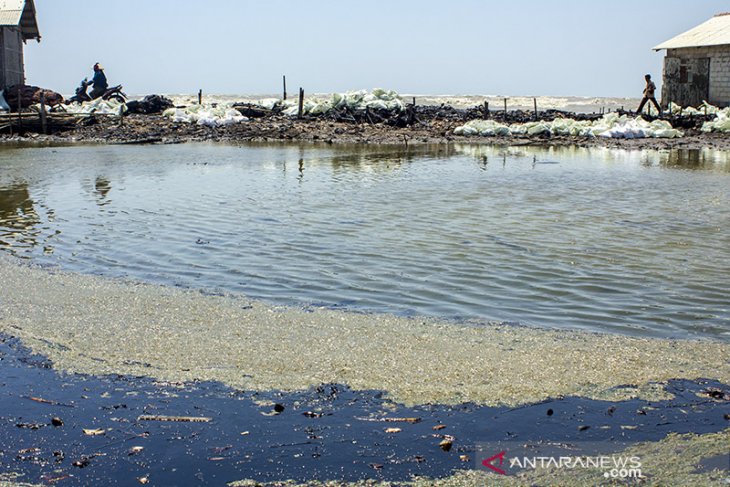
[
  {"x": 301, "y": 102},
  {"x": 534, "y": 100},
  {"x": 42, "y": 114},
  {"x": 486, "y": 109},
  {"x": 505, "y": 108},
  {"x": 284, "y": 87},
  {"x": 200, "y": 97},
  {"x": 20, "y": 116}
]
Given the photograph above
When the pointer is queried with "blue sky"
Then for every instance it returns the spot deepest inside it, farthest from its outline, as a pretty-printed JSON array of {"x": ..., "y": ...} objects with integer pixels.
[{"x": 518, "y": 47}]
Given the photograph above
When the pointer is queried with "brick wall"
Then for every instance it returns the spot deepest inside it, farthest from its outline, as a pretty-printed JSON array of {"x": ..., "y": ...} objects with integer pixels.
[{"x": 719, "y": 69}]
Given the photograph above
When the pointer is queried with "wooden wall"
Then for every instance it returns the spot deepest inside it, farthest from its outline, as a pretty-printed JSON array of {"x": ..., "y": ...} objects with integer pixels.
[{"x": 12, "y": 69}]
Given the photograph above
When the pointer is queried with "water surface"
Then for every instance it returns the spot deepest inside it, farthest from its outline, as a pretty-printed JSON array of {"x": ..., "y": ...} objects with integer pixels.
[{"x": 602, "y": 240}]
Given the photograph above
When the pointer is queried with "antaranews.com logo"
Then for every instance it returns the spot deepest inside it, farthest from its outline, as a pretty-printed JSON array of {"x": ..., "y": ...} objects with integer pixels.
[{"x": 504, "y": 459}]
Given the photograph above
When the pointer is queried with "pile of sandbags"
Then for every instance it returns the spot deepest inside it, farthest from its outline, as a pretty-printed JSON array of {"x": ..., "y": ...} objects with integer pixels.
[
  {"x": 610, "y": 125},
  {"x": 97, "y": 107},
  {"x": 721, "y": 122},
  {"x": 207, "y": 115},
  {"x": 704, "y": 109},
  {"x": 378, "y": 99}
]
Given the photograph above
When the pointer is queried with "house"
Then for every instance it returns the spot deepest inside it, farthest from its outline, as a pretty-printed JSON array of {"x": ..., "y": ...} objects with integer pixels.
[
  {"x": 697, "y": 65},
  {"x": 18, "y": 24}
]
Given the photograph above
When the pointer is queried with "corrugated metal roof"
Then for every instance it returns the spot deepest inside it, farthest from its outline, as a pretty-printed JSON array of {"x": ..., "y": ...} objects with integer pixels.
[
  {"x": 11, "y": 11},
  {"x": 10, "y": 17},
  {"x": 714, "y": 32},
  {"x": 20, "y": 13}
]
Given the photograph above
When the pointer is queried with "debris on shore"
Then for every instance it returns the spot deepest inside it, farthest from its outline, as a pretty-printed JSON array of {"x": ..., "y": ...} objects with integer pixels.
[{"x": 379, "y": 116}]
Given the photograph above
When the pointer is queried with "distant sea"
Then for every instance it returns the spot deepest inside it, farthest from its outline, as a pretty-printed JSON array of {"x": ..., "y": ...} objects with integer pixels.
[{"x": 496, "y": 102}]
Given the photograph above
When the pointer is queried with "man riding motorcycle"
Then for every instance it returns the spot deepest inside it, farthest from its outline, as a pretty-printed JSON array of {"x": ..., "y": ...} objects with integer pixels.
[{"x": 99, "y": 81}]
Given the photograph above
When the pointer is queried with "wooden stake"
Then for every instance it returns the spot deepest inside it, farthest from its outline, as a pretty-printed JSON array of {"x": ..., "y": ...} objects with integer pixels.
[
  {"x": 20, "y": 116},
  {"x": 200, "y": 97},
  {"x": 505, "y": 108},
  {"x": 534, "y": 100},
  {"x": 486, "y": 109},
  {"x": 301, "y": 102},
  {"x": 42, "y": 114},
  {"x": 285, "y": 87}
]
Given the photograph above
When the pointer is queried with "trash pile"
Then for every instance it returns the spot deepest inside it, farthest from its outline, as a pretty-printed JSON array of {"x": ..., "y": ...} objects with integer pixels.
[
  {"x": 611, "y": 125},
  {"x": 207, "y": 115},
  {"x": 29, "y": 96},
  {"x": 149, "y": 105}
]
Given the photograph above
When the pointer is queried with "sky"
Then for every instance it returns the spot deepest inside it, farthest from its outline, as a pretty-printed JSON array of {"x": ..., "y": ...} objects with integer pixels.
[{"x": 478, "y": 47}]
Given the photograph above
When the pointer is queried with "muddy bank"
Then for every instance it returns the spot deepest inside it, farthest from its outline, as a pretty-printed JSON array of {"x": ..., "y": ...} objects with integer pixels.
[
  {"x": 76, "y": 429},
  {"x": 430, "y": 128}
]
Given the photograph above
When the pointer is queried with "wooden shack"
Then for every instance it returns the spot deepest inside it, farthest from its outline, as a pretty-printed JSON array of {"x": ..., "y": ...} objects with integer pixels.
[
  {"x": 18, "y": 24},
  {"x": 697, "y": 65}
]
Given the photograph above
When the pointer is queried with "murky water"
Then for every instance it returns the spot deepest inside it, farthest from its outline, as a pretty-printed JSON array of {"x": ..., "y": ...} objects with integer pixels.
[{"x": 628, "y": 242}]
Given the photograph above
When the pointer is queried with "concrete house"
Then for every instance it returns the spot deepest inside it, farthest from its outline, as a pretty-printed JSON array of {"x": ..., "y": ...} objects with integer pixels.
[
  {"x": 18, "y": 24},
  {"x": 697, "y": 65}
]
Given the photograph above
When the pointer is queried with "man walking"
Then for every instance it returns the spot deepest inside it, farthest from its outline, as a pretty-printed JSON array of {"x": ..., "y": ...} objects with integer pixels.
[{"x": 649, "y": 92}]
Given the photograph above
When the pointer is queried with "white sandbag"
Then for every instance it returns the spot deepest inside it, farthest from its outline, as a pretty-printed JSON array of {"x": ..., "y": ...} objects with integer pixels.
[{"x": 4, "y": 107}]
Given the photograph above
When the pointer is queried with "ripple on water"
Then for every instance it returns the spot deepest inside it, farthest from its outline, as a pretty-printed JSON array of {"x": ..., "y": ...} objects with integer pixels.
[{"x": 605, "y": 240}]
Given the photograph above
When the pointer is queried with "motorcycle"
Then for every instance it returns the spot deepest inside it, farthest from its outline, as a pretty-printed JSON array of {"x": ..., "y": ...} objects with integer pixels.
[{"x": 112, "y": 93}]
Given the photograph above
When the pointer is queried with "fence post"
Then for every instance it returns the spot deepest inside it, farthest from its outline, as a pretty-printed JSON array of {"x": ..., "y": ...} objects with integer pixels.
[
  {"x": 20, "y": 115},
  {"x": 42, "y": 114}
]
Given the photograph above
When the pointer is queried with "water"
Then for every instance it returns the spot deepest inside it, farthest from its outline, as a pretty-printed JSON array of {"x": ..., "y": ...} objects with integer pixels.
[{"x": 601, "y": 240}]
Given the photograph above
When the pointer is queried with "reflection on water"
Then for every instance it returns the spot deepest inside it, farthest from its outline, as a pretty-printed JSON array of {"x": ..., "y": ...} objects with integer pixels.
[
  {"x": 18, "y": 217},
  {"x": 598, "y": 239}
]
